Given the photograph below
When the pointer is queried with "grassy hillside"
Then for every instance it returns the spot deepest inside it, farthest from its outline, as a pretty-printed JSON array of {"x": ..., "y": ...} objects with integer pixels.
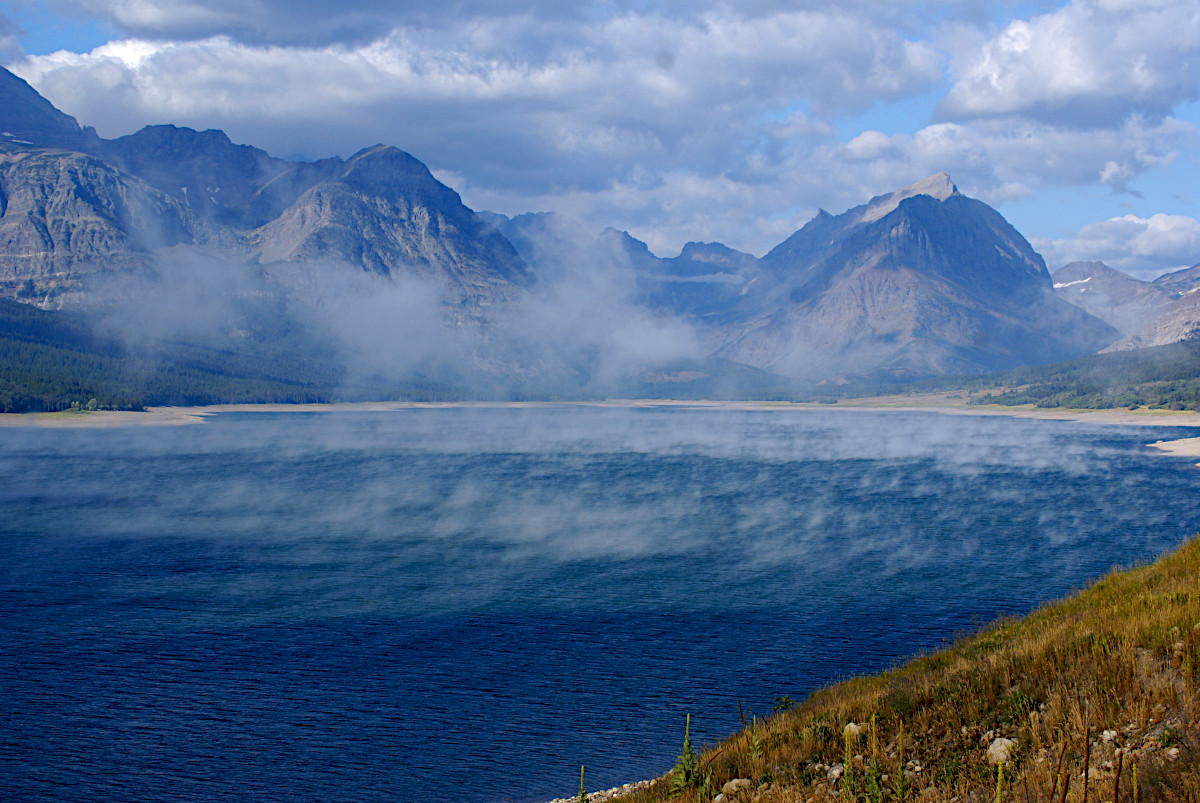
[{"x": 1106, "y": 679}]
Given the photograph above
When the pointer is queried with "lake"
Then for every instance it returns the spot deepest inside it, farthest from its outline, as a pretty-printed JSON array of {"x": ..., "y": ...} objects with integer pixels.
[{"x": 469, "y": 603}]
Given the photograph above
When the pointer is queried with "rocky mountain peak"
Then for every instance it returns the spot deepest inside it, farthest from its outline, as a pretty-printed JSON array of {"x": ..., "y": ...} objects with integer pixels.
[
  {"x": 28, "y": 118},
  {"x": 1180, "y": 282},
  {"x": 938, "y": 186}
]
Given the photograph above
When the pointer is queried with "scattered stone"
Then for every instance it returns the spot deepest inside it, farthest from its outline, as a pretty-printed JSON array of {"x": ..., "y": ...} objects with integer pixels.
[
  {"x": 735, "y": 786},
  {"x": 1000, "y": 751},
  {"x": 852, "y": 730},
  {"x": 835, "y": 773},
  {"x": 608, "y": 794},
  {"x": 719, "y": 798},
  {"x": 1173, "y": 754},
  {"x": 1108, "y": 736}
]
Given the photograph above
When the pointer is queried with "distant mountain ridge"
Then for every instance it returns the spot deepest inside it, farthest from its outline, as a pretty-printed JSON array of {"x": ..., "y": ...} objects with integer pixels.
[
  {"x": 920, "y": 282},
  {"x": 234, "y": 185},
  {"x": 910, "y": 284},
  {"x": 30, "y": 119},
  {"x": 77, "y": 205},
  {"x": 1147, "y": 314},
  {"x": 67, "y": 216}
]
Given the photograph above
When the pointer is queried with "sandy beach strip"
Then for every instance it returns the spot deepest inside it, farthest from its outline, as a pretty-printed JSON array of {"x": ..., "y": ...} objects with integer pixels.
[
  {"x": 1184, "y": 447},
  {"x": 933, "y": 403}
]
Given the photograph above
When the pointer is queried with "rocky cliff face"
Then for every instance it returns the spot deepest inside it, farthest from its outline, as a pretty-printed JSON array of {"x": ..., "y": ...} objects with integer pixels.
[
  {"x": 234, "y": 185},
  {"x": 1181, "y": 282},
  {"x": 73, "y": 205},
  {"x": 66, "y": 216},
  {"x": 911, "y": 284},
  {"x": 384, "y": 212}
]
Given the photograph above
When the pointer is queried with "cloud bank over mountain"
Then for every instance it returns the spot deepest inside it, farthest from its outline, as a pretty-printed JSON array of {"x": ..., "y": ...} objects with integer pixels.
[{"x": 680, "y": 121}]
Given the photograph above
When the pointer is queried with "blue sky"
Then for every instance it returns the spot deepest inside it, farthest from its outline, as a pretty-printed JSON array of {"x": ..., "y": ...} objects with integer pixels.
[{"x": 704, "y": 120}]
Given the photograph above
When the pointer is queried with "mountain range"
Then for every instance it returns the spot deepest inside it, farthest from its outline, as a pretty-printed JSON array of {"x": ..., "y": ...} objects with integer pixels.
[
  {"x": 920, "y": 282},
  {"x": 1155, "y": 313}
]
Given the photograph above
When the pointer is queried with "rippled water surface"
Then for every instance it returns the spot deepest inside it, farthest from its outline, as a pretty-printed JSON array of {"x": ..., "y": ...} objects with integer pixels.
[{"x": 467, "y": 604}]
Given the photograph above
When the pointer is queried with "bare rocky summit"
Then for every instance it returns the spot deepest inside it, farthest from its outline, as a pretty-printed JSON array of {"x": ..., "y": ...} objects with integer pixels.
[
  {"x": 908, "y": 285},
  {"x": 382, "y": 211}
]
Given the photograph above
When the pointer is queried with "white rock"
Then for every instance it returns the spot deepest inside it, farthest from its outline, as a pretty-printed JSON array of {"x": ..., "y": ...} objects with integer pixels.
[
  {"x": 734, "y": 786},
  {"x": 835, "y": 772},
  {"x": 1108, "y": 736},
  {"x": 1000, "y": 751},
  {"x": 719, "y": 799},
  {"x": 852, "y": 730}
]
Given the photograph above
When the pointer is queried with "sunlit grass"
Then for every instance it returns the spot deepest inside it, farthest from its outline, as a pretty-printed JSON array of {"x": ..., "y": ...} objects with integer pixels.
[{"x": 1105, "y": 678}]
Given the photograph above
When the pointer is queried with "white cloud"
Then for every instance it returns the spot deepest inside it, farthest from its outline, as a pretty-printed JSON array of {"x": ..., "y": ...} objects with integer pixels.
[
  {"x": 677, "y": 121},
  {"x": 998, "y": 161},
  {"x": 1093, "y": 62},
  {"x": 354, "y": 22},
  {"x": 1142, "y": 247},
  {"x": 520, "y": 106}
]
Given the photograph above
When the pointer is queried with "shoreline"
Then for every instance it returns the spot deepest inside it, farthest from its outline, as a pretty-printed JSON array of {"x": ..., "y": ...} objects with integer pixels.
[{"x": 940, "y": 404}]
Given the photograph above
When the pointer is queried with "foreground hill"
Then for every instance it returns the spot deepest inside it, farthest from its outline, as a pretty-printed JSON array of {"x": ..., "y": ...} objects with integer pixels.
[
  {"x": 1159, "y": 377},
  {"x": 1094, "y": 697}
]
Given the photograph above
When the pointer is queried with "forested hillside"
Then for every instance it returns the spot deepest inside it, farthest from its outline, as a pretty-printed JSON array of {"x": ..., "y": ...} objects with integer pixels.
[
  {"x": 1165, "y": 377},
  {"x": 52, "y": 360}
]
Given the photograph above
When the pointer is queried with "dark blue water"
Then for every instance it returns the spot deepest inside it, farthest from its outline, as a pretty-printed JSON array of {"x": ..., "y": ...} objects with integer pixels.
[{"x": 470, "y": 603}]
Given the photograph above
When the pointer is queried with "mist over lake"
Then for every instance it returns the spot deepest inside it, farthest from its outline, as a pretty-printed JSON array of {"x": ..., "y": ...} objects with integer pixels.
[{"x": 469, "y": 603}]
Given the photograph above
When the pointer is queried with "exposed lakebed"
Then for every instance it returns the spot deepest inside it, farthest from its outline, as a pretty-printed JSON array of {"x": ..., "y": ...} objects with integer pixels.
[{"x": 467, "y": 604}]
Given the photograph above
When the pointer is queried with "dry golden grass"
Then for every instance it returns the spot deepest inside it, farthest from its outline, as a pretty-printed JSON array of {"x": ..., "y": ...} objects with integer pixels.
[{"x": 1105, "y": 678}]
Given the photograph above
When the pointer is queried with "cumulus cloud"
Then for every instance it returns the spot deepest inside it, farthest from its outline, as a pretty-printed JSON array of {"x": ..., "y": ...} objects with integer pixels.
[
  {"x": 1142, "y": 247},
  {"x": 676, "y": 121},
  {"x": 632, "y": 83},
  {"x": 313, "y": 22},
  {"x": 626, "y": 105},
  {"x": 1093, "y": 62},
  {"x": 999, "y": 161},
  {"x": 287, "y": 22}
]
